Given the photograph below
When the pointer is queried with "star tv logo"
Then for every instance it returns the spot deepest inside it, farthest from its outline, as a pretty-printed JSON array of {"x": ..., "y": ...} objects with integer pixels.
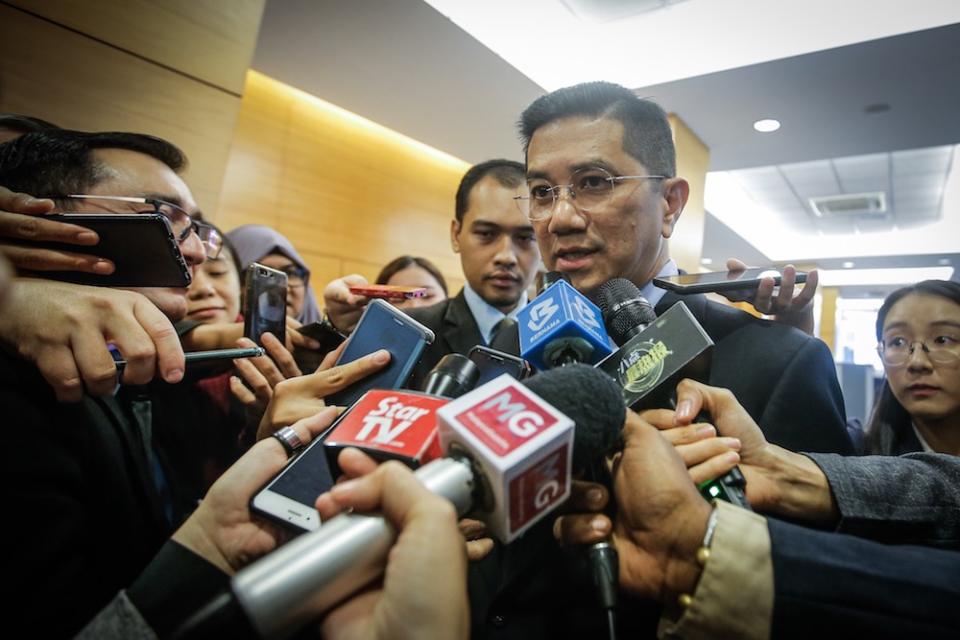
[{"x": 541, "y": 313}]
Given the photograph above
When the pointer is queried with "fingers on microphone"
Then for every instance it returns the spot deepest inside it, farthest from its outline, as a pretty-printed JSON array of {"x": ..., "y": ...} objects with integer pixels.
[
  {"x": 355, "y": 463},
  {"x": 714, "y": 467},
  {"x": 582, "y": 528}
]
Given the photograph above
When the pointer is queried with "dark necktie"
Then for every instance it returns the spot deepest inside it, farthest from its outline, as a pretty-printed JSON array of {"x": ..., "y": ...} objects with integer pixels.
[{"x": 501, "y": 338}]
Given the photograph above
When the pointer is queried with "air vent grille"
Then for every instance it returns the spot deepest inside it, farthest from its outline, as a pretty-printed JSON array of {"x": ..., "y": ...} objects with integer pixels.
[{"x": 854, "y": 205}]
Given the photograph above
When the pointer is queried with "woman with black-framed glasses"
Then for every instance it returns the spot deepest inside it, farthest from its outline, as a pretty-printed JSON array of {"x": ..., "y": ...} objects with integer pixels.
[{"x": 918, "y": 409}]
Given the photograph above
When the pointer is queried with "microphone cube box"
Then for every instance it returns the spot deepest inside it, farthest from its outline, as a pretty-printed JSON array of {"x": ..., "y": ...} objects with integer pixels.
[
  {"x": 522, "y": 446},
  {"x": 561, "y": 312},
  {"x": 389, "y": 425}
]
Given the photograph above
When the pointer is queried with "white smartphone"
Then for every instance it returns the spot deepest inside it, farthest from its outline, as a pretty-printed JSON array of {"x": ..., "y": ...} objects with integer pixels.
[{"x": 289, "y": 497}]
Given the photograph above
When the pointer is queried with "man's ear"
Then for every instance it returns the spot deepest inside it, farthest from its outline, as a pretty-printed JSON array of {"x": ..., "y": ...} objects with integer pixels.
[
  {"x": 675, "y": 194},
  {"x": 455, "y": 235}
]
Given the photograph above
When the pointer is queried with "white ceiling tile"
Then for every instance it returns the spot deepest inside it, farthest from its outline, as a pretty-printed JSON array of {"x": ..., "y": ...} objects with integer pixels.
[{"x": 914, "y": 161}]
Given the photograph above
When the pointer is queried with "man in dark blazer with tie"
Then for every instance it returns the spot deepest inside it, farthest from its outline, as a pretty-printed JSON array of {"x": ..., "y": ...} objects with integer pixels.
[
  {"x": 499, "y": 256},
  {"x": 604, "y": 199}
]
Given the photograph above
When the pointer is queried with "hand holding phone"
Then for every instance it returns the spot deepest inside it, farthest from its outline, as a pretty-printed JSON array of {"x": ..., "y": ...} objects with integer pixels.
[
  {"x": 142, "y": 248},
  {"x": 748, "y": 279},
  {"x": 383, "y": 326}
]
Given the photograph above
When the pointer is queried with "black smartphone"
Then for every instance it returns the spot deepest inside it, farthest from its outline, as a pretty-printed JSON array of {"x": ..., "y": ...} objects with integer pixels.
[
  {"x": 328, "y": 337},
  {"x": 142, "y": 247},
  {"x": 264, "y": 303},
  {"x": 290, "y": 496},
  {"x": 382, "y": 326},
  {"x": 493, "y": 364},
  {"x": 716, "y": 281}
]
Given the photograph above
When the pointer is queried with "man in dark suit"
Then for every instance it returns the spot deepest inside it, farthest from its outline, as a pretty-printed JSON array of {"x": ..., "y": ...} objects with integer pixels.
[
  {"x": 604, "y": 199},
  {"x": 499, "y": 257}
]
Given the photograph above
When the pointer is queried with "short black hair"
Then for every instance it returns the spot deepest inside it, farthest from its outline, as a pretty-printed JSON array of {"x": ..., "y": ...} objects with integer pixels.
[
  {"x": 509, "y": 173},
  {"x": 25, "y": 124},
  {"x": 646, "y": 130},
  {"x": 56, "y": 163},
  {"x": 403, "y": 262}
]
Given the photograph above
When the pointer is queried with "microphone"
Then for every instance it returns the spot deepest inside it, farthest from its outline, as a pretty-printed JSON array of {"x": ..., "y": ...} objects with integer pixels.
[
  {"x": 656, "y": 354},
  {"x": 560, "y": 327},
  {"x": 393, "y": 424},
  {"x": 509, "y": 464}
]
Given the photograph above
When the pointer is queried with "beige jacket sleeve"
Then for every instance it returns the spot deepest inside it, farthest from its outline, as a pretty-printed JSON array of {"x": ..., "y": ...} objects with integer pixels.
[{"x": 734, "y": 597}]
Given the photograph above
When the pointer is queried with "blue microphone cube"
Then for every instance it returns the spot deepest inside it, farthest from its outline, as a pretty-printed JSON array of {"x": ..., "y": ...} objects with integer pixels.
[{"x": 561, "y": 318}]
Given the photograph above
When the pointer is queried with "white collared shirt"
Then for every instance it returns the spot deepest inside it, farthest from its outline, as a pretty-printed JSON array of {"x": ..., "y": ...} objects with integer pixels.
[{"x": 486, "y": 315}]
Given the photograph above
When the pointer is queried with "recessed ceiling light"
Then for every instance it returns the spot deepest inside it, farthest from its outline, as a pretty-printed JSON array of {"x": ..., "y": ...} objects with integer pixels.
[
  {"x": 878, "y": 107},
  {"x": 848, "y": 265},
  {"x": 766, "y": 125},
  {"x": 706, "y": 260},
  {"x": 943, "y": 261}
]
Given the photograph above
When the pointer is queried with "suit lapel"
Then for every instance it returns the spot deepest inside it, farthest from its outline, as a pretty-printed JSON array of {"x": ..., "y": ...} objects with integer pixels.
[
  {"x": 459, "y": 329},
  {"x": 696, "y": 303}
]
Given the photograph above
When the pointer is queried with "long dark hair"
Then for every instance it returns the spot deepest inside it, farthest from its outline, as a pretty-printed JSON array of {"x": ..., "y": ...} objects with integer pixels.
[{"x": 890, "y": 422}]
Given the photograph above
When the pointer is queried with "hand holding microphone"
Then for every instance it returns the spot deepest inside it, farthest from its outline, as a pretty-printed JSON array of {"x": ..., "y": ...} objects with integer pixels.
[
  {"x": 510, "y": 454},
  {"x": 423, "y": 594}
]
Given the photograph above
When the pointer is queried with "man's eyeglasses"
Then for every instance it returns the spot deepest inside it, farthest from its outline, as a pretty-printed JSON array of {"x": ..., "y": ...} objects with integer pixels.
[
  {"x": 589, "y": 189},
  {"x": 180, "y": 221},
  {"x": 897, "y": 351}
]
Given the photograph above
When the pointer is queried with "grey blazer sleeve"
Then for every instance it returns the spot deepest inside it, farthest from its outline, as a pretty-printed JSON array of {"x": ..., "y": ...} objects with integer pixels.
[{"x": 910, "y": 499}]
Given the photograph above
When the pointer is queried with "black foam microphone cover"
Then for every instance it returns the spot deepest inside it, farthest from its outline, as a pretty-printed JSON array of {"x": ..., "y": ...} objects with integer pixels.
[
  {"x": 452, "y": 377},
  {"x": 592, "y": 400},
  {"x": 625, "y": 311}
]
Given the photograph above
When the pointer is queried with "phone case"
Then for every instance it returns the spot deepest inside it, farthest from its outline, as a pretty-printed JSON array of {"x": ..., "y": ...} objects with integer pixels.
[
  {"x": 265, "y": 303},
  {"x": 142, "y": 246},
  {"x": 389, "y": 291},
  {"x": 374, "y": 337}
]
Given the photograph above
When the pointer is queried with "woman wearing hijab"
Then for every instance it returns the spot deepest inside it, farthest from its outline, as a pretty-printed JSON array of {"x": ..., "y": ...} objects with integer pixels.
[{"x": 257, "y": 243}]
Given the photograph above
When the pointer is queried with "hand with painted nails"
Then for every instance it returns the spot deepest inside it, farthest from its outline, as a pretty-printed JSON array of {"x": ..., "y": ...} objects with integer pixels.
[{"x": 22, "y": 219}]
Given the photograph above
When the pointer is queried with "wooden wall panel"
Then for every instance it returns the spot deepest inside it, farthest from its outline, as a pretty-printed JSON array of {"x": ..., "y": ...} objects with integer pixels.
[
  {"x": 208, "y": 39},
  {"x": 344, "y": 190},
  {"x": 76, "y": 81},
  {"x": 693, "y": 162}
]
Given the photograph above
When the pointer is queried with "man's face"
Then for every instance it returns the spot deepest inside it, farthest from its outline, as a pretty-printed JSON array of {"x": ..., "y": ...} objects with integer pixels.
[
  {"x": 497, "y": 248},
  {"x": 137, "y": 174},
  {"x": 621, "y": 238}
]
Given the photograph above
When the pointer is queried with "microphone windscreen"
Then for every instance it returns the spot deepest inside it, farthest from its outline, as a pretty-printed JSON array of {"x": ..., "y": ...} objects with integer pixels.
[
  {"x": 452, "y": 377},
  {"x": 552, "y": 277},
  {"x": 623, "y": 308},
  {"x": 592, "y": 400}
]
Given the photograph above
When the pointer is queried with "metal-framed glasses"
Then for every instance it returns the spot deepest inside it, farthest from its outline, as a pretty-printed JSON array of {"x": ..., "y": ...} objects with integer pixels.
[
  {"x": 180, "y": 221},
  {"x": 897, "y": 351},
  {"x": 589, "y": 189}
]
